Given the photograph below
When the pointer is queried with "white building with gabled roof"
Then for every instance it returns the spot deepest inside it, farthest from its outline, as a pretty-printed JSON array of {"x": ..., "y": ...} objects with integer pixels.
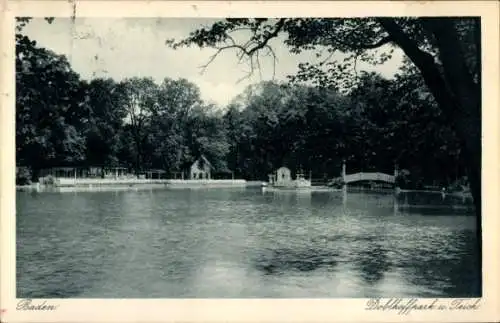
[{"x": 201, "y": 169}]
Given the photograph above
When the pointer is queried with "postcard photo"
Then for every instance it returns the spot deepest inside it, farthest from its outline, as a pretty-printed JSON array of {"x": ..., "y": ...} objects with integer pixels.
[{"x": 271, "y": 161}]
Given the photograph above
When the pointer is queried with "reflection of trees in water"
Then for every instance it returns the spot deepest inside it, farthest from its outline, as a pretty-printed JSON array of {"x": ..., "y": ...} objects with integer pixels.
[
  {"x": 326, "y": 199},
  {"x": 292, "y": 197},
  {"x": 370, "y": 257},
  {"x": 433, "y": 203},
  {"x": 453, "y": 270},
  {"x": 69, "y": 251},
  {"x": 68, "y": 280},
  {"x": 373, "y": 262},
  {"x": 367, "y": 249},
  {"x": 281, "y": 260},
  {"x": 290, "y": 203},
  {"x": 354, "y": 202}
]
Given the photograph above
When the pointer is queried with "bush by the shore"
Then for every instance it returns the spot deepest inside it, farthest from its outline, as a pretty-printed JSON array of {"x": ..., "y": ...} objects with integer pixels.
[
  {"x": 337, "y": 182},
  {"x": 406, "y": 180},
  {"x": 23, "y": 176}
]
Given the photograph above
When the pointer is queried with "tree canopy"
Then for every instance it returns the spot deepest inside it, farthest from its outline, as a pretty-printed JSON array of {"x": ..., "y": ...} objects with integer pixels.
[
  {"x": 443, "y": 52},
  {"x": 51, "y": 107},
  {"x": 140, "y": 124}
]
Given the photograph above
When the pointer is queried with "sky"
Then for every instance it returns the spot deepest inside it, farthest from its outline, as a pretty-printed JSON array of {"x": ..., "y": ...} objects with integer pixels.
[{"x": 128, "y": 47}]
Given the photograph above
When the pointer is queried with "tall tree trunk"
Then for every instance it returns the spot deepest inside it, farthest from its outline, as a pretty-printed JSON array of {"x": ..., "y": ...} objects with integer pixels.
[
  {"x": 467, "y": 93},
  {"x": 456, "y": 93}
]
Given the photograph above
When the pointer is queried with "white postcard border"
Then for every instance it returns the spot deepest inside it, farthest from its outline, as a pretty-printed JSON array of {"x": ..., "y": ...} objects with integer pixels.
[{"x": 277, "y": 310}]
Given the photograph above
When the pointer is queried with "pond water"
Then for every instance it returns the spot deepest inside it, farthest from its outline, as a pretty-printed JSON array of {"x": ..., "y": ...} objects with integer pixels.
[{"x": 244, "y": 243}]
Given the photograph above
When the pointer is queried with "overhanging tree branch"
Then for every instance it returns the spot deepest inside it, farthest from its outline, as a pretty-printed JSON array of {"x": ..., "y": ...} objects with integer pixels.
[
  {"x": 424, "y": 62},
  {"x": 250, "y": 48},
  {"x": 378, "y": 44},
  {"x": 383, "y": 41},
  {"x": 266, "y": 38}
]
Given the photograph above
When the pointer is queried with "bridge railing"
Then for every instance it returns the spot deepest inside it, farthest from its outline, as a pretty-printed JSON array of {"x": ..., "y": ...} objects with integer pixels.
[{"x": 357, "y": 177}]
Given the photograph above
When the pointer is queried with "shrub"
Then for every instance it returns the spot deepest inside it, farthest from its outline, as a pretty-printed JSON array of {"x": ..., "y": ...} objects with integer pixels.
[
  {"x": 460, "y": 185},
  {"x": 23, "y": 176},
  {"x": 403, "y": 179},
  {"x": 337, "y": 182}
]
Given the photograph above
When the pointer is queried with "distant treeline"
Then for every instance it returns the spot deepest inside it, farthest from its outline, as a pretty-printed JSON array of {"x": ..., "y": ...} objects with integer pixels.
[{"x": 63, "y": 120}]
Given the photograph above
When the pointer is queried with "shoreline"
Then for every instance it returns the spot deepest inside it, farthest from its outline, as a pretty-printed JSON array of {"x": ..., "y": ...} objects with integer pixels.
[
  {"x": 66, "y": 184},
  {"x": 86, "y": 184},
  {"x": 461, "y": 194}
]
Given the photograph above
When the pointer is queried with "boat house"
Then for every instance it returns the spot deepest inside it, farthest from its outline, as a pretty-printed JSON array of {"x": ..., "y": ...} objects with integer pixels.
[{"x": 201, "y": 169}]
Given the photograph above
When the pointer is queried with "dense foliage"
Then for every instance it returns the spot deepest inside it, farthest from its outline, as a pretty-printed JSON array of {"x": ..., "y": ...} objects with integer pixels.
[
  {"x": 51, "y": 108},
  {"x": 381, "y": 124},
  {"x": 445, "y": 52},
  {"x": 62, "y": 120},
  {"x": 136, "y": 123}
]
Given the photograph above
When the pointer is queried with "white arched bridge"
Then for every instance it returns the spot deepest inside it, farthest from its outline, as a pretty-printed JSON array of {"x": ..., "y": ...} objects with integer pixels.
[
  {"x": 369, "y": 176},
  {"x": 358, "y": 177}
]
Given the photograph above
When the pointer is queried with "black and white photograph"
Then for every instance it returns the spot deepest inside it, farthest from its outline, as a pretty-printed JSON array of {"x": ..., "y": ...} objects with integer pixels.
[{"x": 248, "y": 158}]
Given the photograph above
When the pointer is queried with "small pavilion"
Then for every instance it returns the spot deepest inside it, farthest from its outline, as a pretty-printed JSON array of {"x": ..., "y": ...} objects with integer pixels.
[
  {"x": 201, "y": 169},
  {"x": 84, "y": 172}
]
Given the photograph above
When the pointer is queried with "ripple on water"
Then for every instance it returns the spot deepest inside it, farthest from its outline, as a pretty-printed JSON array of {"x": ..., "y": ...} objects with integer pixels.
[{"x": 238, "y": 244}]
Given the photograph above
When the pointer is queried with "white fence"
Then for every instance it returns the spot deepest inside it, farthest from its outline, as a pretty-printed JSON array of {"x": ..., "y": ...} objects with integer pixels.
[
  {"x": 199, "y": 183},
  {"x": 70, "y": 182},
  {"x": 64, "y": 181}
]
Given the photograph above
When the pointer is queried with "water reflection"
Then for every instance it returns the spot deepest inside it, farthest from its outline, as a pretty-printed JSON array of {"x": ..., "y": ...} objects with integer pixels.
[
  {"x": 373, "y": 262},
  {"x": 241, "y": 243},
  {"x": 279, "y": 261},
  {"x": 452, "y": 271},
  {"x": 74, "y": 235}
]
